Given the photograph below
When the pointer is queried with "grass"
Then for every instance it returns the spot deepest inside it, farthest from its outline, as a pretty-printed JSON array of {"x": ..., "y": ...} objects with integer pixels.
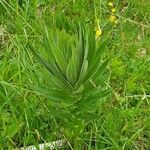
[{"x": 120, "y": 121}]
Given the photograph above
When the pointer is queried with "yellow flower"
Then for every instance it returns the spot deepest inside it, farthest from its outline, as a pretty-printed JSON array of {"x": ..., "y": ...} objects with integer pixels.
[
  {"x": 110, "y": 4},
  {"x": 98, "y": 33},
  {"x": 112, "y": 18},
  {"x": 113, "y": 10},
  {"x": 116, "y": 21}
]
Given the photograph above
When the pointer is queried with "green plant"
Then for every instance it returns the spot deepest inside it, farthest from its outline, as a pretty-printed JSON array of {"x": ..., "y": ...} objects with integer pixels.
[
  {"x": 74, "y": 76},
  {"x": 27, "y": 118}
]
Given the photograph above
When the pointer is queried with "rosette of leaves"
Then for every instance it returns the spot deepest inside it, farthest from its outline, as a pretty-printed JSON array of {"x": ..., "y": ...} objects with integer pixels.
[{"x": 75, "y": 76}]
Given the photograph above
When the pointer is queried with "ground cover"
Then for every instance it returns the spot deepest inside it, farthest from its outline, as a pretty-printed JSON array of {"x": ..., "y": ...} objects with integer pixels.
[{"x": 121, "y": 83}]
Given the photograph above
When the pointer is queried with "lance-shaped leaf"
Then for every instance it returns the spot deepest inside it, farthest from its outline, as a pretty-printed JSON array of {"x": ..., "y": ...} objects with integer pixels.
[{"x": 91, "y": 102}]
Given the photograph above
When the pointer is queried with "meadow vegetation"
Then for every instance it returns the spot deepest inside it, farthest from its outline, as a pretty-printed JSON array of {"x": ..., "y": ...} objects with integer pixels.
[{"x": 75, "y": 70}]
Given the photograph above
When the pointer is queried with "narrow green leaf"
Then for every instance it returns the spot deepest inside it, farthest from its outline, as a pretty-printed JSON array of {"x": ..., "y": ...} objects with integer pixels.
[
  {"x": 60, "y": 59},
  {"x": 83, "y": 73},
  {"x": 71, "y": 71},
  {"x": 100, "y": 69},
  {"x": 92, "y": 45},
  {"x": 55, "y": 95},
  {"x": 53, "y": 69},
  {"x": 98, "y": 55},
  {"x": 91, "y": 102}
]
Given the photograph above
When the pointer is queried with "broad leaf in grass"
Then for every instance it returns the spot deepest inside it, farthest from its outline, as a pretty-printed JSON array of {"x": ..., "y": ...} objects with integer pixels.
[
  {"x": 96, "y": 62},
  {"x": 75, "y": 79},
  {"x": 53, "y": 70},
  {"x": 91, "y": 102},
  {"x": 92, "y": 46},
  {"x": 60, "y": 59},
  {"x": 72, "y": 68},
  {"x": 56, "y": 96},
  {"x": 83, "y": 74},
  {"x": 100, "y": 69}
]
